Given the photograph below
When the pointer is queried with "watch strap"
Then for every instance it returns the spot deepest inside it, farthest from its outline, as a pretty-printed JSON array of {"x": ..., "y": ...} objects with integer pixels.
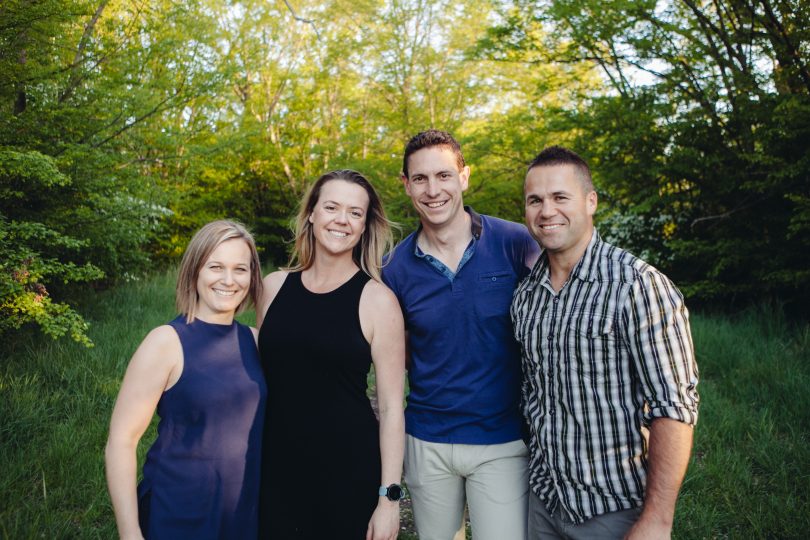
[{"x": 385, "y": 491}]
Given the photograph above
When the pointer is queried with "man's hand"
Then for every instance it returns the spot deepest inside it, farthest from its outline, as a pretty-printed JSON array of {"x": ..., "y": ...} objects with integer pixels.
[
  {"x": 669, "y": 449},
  {"x": 649, "y": 529}
]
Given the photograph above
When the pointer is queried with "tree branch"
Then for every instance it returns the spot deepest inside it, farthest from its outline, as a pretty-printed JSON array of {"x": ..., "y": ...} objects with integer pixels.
[
  {"x": 777, "y": 30},
  {"x": 724, "y": 215},
  {"x": 303, "y": 20},
  {"x": 75, "y": 78}
]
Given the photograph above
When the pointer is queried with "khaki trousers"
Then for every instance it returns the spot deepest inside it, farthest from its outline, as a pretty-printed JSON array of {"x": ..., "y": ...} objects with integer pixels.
[{"x": 492, "y": 479}]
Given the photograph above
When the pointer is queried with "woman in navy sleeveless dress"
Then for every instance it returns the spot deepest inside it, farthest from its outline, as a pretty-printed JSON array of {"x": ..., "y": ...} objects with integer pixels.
[
  {"x": 202, "y": 374},
  {"x": 323, "y": 323}
]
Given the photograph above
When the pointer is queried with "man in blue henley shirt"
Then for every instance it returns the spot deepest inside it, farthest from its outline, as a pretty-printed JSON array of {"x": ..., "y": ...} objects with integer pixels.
[{"x": 454, "y": 278}]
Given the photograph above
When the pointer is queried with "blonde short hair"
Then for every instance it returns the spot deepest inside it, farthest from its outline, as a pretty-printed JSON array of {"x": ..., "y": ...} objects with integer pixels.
[
  {"x": 204, "y": 242},
  {"x": 376, "y": 238}
]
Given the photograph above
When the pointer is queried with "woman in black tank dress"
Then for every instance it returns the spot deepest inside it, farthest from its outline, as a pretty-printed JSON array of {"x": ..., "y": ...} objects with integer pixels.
[{"x": 323, "y": 322}]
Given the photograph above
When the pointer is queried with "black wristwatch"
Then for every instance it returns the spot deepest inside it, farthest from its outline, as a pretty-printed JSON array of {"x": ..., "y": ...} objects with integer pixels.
[{"x": 394, "y": 492}]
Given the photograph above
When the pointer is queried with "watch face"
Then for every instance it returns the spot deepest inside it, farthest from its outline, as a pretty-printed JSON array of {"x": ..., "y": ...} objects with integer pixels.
[{"x": 394, "y": 492}]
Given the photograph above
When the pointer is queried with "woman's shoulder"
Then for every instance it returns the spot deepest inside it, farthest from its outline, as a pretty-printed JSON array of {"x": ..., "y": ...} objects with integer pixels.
[
  {"x": 380, "y": 314},
  {"x": 272, "y": 283},
  {"x": 163, "y": 336},
  {"x": 378, "y": 296},
  {"x": 159, "y": 345},
  {"x": 274, "y": 280}
]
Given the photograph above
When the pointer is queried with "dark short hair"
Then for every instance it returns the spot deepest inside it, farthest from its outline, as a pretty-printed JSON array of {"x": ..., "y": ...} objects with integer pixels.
[
  {"x": 430, "y": 138},
  {"x": 559, "y": 155}
]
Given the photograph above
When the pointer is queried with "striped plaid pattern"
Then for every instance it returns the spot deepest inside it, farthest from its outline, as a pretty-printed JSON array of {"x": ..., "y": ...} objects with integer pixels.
[{"x": 601, "y": 359}]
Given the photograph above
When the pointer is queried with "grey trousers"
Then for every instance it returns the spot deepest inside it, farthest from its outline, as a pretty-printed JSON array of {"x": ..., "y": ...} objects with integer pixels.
[{"x": 610, "y": 526}]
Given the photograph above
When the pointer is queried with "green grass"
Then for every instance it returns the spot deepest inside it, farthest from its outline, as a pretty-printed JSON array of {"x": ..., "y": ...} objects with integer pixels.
[
  {"x": 748, "y": 478},
  {"x": 750, "y": 472},
  {"x": 55, "y": 403}
]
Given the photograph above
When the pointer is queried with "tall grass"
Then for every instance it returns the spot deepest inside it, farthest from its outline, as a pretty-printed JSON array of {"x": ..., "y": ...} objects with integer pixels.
[
  {"x": 55, "y": 403},
  {"x": 750, "y": 472},
  {"x": 748, "y": 477}
]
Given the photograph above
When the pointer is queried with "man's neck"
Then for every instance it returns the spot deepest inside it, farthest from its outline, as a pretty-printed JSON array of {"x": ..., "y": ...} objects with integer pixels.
[
  {"x": 447, "y": 243},
  {"x": 448, "y": 237},
  {"x": 561, "y": 264}
]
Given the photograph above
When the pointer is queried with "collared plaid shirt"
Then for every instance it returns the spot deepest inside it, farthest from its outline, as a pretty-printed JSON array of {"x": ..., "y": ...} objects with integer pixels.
[{"x": 601, "y": 359}]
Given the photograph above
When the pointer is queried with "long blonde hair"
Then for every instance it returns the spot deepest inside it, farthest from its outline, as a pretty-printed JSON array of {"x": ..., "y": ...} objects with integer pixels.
[
  {"x": 374, "y": 242},
  {"x": 204, "y": 242}
]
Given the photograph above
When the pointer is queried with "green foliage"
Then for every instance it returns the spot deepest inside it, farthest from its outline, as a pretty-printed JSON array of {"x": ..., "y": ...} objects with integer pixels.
[
  {"x": 28, "y": 180},
  {"x": 699, "y": 141},
  {"x": 74, "y": 206},
  {"x": 159, "y": 116}
]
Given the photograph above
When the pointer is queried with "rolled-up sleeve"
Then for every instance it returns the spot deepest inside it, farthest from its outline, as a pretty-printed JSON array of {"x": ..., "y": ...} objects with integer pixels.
[{"x": 660, "y": 343}]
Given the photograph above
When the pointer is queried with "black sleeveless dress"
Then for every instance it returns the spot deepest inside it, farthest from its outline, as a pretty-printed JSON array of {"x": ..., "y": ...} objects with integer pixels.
[{"x": 321, "y": 451}]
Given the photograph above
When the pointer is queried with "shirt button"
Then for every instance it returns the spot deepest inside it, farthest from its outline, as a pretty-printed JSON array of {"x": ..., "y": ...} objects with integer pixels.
[
  {"x": 494, "y": 278},
  {"x": 550, "y": 337},
  {"x": 556, "y": 299}
]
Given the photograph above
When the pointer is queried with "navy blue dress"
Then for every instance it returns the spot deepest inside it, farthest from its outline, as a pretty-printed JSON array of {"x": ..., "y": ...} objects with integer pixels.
[
  {"x": 201, "y": 476},
  {"x": 321, "y": 473}
]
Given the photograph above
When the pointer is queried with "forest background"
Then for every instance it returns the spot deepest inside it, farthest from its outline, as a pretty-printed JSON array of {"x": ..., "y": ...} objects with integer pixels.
[{"x": 127, "y": 124}]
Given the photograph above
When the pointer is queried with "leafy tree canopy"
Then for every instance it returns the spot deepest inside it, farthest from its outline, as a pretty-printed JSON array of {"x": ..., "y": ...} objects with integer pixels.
[{"x": 125, "y": 126}]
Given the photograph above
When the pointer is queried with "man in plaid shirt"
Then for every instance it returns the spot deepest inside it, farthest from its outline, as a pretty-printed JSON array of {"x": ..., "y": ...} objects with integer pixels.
[{"x": 609, "y": 374}]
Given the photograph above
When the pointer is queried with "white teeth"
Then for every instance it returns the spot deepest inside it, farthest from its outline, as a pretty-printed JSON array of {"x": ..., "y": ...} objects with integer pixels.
[
  {"x": 436, "y": 204},
  {"x": 339, "y": 234},
  {"x": 224, "y": 293},
  {"x": 549, "y": 227}
]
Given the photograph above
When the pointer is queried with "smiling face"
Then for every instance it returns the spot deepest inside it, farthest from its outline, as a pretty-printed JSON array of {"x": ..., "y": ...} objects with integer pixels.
[
  {"x": 559, "y": 210},
  {"x": 435, "y": 185},
  {"x": 223, "y": 281},
  {"x": 339, "y": 216}
]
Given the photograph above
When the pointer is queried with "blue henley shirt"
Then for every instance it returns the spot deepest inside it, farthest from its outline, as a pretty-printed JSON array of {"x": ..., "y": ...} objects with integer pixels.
[{"x": 464, "y": 371}]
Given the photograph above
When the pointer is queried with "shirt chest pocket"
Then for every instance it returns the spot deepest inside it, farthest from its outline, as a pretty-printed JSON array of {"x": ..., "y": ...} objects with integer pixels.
[
  {"x": 591, "y": 345},
  {"x": 493, "y": 293}
]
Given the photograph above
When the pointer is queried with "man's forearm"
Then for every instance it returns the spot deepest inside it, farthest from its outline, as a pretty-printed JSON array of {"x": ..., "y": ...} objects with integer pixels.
[{"x": 669, "y": 449}]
